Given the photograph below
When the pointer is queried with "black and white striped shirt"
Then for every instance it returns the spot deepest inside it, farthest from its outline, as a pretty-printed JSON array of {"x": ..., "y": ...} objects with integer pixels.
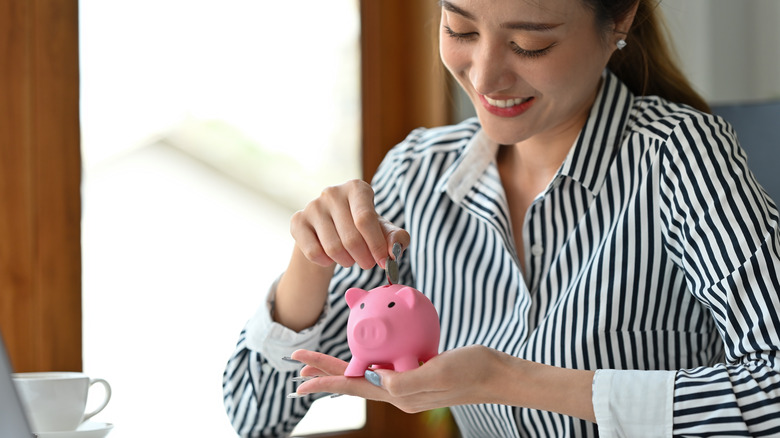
[{"x": 653, "y": 248}]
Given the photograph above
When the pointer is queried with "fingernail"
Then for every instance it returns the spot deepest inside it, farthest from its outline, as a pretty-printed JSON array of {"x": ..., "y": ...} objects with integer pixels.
[
  {"x": 397, "y": 248},
  {"x": 291, "y": 360},
  {"x": 296, "y": 395},
  {"x": 373, "y": 377},
  {"x": 336, "y": 395},
  {"x": 303, "y": 378}
]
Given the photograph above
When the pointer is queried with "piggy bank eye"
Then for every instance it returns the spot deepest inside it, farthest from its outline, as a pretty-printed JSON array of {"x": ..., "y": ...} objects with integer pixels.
[
  {"x": 362, "y": 305},
  {"x": 392, "y": 303}
]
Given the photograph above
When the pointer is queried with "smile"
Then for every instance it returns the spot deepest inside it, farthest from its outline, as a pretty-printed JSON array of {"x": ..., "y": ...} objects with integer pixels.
[
  {"x": 506, "y": 103},
  {"x": 506, "y": 107}
]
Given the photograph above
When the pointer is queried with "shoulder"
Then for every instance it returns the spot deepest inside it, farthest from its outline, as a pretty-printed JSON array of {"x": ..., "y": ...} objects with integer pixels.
[
  {"x": 676, "y": 124},
  {"x": 413, "y": 167},
  {"x": 442, "y": 139},
  {"x": 426, "y": 148}
]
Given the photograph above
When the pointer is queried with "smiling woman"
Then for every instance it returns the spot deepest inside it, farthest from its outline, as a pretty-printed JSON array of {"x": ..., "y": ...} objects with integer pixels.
[{"x": 564, "y": 235}]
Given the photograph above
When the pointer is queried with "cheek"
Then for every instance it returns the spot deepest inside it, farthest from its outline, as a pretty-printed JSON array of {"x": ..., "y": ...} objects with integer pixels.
[
  {"x": 453, "y": 56},
  {"x": 570, "y": 76}
]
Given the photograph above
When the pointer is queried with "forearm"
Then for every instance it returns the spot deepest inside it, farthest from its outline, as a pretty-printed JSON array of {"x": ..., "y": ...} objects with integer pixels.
[
  {"x": 519, "y": 382},
  {"x": 301, "y": 292}
]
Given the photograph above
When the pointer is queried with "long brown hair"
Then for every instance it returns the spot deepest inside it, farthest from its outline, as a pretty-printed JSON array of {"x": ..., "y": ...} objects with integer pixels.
[{"x": 646, "y": 65}]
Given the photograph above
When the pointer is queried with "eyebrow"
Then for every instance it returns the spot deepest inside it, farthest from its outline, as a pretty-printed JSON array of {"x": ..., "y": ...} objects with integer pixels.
[{"x": 514, "y": 25}]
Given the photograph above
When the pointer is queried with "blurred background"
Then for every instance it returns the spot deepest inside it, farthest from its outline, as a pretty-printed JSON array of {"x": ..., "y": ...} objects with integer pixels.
[{"x": 204, "y": 125}]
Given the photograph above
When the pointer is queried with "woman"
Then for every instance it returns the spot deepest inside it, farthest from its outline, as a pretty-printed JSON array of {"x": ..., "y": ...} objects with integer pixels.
[{"x": 602, "y": 260}]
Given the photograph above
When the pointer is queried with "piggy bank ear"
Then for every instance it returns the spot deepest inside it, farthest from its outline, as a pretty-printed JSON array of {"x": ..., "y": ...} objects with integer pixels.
[
  {"x": 354, "y": 295},
  {"x": 408, "y": 296}
]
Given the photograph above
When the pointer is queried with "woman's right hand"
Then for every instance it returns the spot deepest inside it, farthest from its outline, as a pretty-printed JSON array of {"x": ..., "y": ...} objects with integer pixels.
[
  {"x": 340, "y": 227},
  {"x": 343, "y": 227}
]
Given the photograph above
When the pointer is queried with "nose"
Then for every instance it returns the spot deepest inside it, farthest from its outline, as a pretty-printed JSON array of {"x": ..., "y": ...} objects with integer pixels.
[
  {"x": 370, "y": 332},
  {"x": 491, "y": 71}
]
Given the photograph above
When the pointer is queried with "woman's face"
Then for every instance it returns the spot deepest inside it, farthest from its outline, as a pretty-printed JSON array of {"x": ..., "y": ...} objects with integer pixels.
[{"x": 531, "y": 67}]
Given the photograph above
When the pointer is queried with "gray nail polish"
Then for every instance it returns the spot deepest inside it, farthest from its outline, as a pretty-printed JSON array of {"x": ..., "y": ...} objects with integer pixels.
[
  {"x": 302, "y": 378},
  {"x": 291, "y": 360},
  {"x": 373, "y": 377},
  {"x": 296, "y": 395}
]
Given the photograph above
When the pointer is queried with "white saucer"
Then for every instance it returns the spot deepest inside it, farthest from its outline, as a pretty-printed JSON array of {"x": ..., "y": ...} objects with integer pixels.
[{"x": 86, "y": 430}]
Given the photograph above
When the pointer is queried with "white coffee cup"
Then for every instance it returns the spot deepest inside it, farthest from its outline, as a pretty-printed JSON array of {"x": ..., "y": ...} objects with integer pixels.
[{"x": 56, "y": 401}]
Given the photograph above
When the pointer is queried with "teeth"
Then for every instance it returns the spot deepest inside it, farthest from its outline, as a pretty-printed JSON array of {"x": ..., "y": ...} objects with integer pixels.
[{"x": 506, "y": 103}]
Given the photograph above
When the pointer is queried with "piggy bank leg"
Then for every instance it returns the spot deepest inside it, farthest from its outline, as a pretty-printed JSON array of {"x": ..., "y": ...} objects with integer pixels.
[
  {"x": 406, "y": 363},
  {"x": 430, "y": 355},
  {"x": 356, "y": 367}
]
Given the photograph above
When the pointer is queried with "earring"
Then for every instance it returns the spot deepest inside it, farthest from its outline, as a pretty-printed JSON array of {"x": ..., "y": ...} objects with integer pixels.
[{"x": 621, "y": 44}]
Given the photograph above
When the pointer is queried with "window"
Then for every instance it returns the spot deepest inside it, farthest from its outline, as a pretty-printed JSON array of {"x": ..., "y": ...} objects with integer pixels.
[{"x": 201, "y": 132}]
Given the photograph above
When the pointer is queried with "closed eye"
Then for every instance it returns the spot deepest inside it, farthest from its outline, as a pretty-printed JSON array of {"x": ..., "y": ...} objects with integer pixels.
[
  {"x": 531, "y": 53},
  {"x": 515, "y": 48},
  {"x": 459, "y": 36}
]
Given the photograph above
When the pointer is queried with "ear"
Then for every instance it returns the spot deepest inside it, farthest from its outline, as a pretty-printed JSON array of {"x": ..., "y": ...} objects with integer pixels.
[
  {"x": 408, "y": 296},
  {"x": 354, "y": 295}
]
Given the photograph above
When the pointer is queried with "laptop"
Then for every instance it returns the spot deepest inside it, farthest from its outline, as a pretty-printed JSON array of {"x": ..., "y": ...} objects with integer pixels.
[{"x": 13, "y": 423}]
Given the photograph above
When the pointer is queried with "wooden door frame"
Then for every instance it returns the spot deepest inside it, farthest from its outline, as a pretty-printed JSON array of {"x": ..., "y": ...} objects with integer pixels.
[
  {"x": 404, "y": 84},
  {"x": 40, "y": 185}
]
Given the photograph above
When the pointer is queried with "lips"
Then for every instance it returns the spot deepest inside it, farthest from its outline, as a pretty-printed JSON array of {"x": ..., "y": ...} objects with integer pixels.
[{"x": 506, "y": 107}]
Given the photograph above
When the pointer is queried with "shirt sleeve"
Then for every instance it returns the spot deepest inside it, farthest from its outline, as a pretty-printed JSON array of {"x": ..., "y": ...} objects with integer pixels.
[
  {"x": 721, "y": 229},
  {"x": 643, "y": 412},
  {"x": 256, "y": 380},
  {"x": 275, "y": 341}
]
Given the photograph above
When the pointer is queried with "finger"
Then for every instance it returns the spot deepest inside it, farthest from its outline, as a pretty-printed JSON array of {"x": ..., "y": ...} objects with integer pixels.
[
  {"x": 424, "y": 379},
  {"x": 307, "y": 241},
  {"x": 352, "y": 238},
  {"x": 310, "y": 371},
  {"x": 333, "y": 245},
  {"x": 342, "y": 385},
  {"x": 316, "y": 236},
  {"x": 329, "y": 365},
  {"x": 341, "y": 239},
  {"x": 367, "y": 222}
]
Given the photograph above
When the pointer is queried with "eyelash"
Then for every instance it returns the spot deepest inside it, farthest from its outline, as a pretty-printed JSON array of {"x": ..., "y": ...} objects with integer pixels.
[
  {"x": 515, "y": 48},
  {"x": 531, "y": 53}
]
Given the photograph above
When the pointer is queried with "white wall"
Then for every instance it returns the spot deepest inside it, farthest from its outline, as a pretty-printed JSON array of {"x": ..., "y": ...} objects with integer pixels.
[{"x": 729, "y": 49}]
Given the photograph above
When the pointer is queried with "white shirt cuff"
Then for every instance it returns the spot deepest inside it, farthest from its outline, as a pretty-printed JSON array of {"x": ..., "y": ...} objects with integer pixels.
[
  {"x": 275, "y": 341},
  {"x": 634, "y": 403}
]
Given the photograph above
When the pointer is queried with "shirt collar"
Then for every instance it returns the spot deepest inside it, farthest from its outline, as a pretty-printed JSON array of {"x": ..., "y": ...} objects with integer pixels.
[
  {"x": 589, "y": 158},
  {"x": 463, "y": 174},
  {"x": 587, "y": 161}
]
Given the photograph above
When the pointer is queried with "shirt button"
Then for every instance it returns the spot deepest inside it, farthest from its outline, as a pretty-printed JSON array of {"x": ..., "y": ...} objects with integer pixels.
[{"x": 537, "y": 250}]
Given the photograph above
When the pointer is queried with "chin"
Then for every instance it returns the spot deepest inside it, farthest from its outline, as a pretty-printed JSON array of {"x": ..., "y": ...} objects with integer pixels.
[{"x": 505, "y": 132}]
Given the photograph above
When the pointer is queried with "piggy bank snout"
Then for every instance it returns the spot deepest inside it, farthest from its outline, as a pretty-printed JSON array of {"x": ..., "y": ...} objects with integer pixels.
[{"x": 370, "y": 332}]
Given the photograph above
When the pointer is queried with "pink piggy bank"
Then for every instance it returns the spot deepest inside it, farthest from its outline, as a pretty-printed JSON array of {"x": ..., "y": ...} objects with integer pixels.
[{"x": 390, "y": 326}]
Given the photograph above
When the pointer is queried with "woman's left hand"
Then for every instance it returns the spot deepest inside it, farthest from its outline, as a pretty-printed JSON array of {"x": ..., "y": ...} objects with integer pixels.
[{"x": 464, "y": 375}]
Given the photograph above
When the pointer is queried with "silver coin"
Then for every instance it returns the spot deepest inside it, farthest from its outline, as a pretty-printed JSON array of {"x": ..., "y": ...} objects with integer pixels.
[{"x": 391, "y": 270}]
